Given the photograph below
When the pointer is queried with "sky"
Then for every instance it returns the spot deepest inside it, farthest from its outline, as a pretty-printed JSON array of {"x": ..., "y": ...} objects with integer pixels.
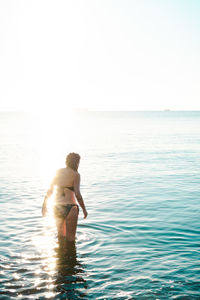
[{"x": 100, "y": 55}]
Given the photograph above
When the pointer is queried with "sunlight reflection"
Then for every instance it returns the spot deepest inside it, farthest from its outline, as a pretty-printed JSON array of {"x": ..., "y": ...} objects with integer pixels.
[
  {"x": 49, "y": 294},
  {"x": 55, "y": 135},
  {"x": 59, "y": 265},
  {"x": 46, "y": 243},
  {"x": 37, "y": 281},
  {"x": 50, "y": 221},
  {"x": 16, "y": 276}
]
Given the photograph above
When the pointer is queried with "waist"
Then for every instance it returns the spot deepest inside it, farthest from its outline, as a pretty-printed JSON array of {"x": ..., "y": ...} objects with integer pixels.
[{"x": 64, "y": 200}]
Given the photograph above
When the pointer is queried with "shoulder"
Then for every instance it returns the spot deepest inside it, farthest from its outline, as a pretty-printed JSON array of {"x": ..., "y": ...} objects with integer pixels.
[{"x": 59, "y": 171}]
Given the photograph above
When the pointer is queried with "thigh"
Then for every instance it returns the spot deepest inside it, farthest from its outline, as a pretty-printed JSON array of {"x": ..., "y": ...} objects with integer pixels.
[
  {"x": 71, "y": 223},
  {"x": 59, "y": 225}
]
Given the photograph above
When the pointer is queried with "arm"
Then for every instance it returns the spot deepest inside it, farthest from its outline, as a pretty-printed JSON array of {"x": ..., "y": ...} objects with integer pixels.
[{"x": 78, "y": 195}]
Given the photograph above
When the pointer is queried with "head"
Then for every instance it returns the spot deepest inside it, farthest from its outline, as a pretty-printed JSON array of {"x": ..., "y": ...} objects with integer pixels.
[{"x": 72, "y": 161}]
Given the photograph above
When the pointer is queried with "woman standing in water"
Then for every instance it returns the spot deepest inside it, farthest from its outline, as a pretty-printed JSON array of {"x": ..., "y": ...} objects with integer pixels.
[{"x": 66, "y": 209}]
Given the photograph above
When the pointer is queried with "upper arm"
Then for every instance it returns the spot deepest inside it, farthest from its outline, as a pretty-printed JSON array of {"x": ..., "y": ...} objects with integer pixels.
[{"x": 77, "y": 180}]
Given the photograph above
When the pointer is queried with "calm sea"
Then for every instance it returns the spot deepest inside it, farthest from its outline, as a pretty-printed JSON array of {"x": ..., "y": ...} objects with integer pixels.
[{"x": 140, "y": 179}]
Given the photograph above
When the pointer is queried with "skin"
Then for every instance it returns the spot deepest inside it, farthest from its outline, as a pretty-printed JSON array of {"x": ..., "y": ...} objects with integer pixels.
[{"x": 66, "y": 177}]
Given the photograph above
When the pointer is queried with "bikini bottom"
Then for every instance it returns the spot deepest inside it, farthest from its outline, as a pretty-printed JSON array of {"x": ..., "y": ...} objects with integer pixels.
[{"x": 62, "y": 211}]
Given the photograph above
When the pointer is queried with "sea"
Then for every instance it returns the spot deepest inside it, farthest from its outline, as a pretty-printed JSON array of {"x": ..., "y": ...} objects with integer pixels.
[{"x": 140, "y": 181}]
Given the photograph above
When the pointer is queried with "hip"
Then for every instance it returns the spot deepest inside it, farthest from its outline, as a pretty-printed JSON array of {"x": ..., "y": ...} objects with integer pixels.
[{"x": 62, "y": 210}]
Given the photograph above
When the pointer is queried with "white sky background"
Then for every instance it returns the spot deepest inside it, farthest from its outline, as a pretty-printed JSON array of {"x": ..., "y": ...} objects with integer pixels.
[{"x": 103, "y": 55}]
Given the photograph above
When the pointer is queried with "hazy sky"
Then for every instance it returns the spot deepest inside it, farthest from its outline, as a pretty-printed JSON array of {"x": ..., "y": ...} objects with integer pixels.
[{"x": 127, "y": 54}]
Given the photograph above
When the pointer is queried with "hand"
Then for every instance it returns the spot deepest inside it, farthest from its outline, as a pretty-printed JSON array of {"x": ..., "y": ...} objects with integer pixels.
[
  {"x": 44, "y": 210},
  {"x": 85, "y": 213}
]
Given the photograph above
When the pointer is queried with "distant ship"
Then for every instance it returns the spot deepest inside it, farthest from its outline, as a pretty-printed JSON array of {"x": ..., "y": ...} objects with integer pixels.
[{"x": 167, "y": 109}]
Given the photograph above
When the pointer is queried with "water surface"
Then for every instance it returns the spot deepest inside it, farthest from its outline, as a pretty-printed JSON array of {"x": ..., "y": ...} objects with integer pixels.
[{"x": 140, "y": 174}]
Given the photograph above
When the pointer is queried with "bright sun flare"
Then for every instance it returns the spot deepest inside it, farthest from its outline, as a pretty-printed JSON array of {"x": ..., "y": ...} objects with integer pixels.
[{"x": 53, "y": 137}]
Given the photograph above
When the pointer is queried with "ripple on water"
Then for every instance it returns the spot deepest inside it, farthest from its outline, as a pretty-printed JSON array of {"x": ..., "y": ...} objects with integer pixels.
[{"x": 141, "y": 239}]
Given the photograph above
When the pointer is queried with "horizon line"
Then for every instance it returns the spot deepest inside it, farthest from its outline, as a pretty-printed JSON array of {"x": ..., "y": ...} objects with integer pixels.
[{"x": 97, "y": 110}]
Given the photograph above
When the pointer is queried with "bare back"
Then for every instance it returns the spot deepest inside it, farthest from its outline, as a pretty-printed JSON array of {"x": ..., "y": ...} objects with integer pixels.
[{"x": 64, "y": 180}]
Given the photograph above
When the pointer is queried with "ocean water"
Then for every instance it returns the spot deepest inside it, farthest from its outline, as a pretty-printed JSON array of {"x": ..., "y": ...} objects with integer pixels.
[{"x": 140, "y": 180}]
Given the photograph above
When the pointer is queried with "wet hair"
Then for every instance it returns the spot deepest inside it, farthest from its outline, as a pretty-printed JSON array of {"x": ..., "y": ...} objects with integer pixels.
[{"x": 72, "y": 160}]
